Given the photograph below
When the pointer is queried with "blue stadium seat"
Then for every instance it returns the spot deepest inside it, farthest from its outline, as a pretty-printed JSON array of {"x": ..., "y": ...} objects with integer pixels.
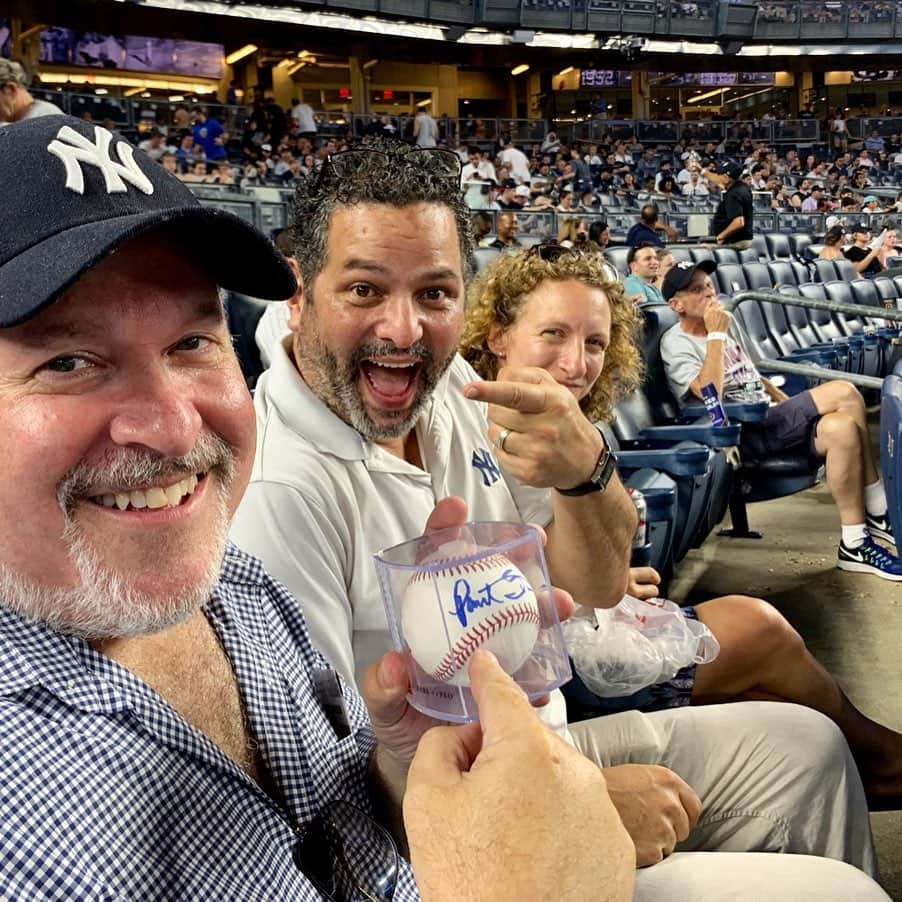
[{"x": 825, "y": 270}]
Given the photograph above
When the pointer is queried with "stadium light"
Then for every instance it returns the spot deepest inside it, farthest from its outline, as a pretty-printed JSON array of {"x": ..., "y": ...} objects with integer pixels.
[
  {"x": 519, "y": 70},
  {"x": 240, "y": 54}
]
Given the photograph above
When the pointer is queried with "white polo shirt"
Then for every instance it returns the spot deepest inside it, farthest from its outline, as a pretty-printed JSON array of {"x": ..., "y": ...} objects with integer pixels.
[{"x": 322, "y": 500}]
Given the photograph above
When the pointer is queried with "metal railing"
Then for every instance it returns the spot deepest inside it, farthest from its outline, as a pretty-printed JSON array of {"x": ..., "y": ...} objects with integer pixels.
[{"x": 809, "y": 370}]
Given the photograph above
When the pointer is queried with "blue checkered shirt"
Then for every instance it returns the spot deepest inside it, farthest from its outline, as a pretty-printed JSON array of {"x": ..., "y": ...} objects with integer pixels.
[{"x": 107, "y": 793}]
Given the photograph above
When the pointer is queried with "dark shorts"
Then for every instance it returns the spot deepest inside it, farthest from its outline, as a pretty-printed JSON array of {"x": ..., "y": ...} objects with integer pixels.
[
  {"x": 583, "y": 704},
  {"x": 790, "y": 425}
]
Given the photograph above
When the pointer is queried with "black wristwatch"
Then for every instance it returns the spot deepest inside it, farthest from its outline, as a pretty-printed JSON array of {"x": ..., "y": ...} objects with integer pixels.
[{"x": 601, "y": 475}]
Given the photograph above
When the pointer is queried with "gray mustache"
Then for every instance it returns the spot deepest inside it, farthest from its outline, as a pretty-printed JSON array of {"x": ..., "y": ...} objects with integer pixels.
[{"x": 131, "y": 466}]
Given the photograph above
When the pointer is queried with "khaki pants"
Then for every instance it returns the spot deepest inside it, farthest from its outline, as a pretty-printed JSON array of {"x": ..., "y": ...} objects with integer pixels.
[{"x": 772, "y": 777}]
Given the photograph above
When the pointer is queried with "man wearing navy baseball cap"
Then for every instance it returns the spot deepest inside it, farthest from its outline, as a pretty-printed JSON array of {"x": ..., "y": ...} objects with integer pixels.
[
  {"x": 168, "y": 728},
  {"x": 828, "y": 421},
  {"x": 732, "y": 223}
]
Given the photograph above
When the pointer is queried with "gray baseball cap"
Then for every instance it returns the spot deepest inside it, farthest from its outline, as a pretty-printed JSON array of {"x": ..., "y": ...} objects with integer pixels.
[{"x": 12, "y": 72}]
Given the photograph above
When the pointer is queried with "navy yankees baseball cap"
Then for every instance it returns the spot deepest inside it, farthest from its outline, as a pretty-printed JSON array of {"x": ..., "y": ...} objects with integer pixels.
[
  {"x": 73, "y": 192},
  {"x": 680, "y": 275}
]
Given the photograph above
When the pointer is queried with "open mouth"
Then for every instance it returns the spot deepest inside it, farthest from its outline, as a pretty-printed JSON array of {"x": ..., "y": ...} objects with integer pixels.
[
  {"x": 392, "y": 383},
  {"x": 152, "y": 497}
]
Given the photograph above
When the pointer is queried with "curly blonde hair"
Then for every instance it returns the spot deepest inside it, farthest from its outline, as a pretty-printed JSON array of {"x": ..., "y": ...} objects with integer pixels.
[{"x": 496, "y": 297}]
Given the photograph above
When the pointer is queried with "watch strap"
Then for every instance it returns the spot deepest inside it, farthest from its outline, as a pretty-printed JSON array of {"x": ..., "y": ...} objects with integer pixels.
[{"x": 604, "y": 469}]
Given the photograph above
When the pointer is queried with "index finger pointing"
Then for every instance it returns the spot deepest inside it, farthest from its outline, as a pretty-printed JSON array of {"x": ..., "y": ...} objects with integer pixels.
[{"x": 513, "y": 395}]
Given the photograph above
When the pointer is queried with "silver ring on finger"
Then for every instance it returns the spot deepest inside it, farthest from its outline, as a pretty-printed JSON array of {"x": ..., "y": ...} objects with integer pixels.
[{"x": 502, "y": 438}]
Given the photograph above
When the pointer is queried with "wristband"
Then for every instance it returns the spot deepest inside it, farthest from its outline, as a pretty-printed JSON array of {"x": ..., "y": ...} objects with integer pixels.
[{"x": 717, "y": 336}]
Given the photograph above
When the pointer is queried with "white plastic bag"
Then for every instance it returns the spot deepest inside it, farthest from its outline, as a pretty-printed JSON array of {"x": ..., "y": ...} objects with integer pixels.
[{"x": 619, "y": 651}]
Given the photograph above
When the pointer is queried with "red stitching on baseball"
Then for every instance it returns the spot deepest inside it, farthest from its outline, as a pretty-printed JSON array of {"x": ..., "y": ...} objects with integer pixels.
[
  {"x": 457, "y": 657},
  {"x": 483, "y": 564}
]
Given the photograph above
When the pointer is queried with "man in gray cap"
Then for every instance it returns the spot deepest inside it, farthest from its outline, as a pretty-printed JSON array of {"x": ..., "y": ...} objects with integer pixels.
[
  {"x": 16, "y": 101},
  {"x": 168, "y": 728}
]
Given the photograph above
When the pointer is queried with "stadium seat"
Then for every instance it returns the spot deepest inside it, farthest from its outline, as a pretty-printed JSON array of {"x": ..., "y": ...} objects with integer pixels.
[
  {"x": 778, "y": 247},
  {"x": 617, "y": 256},
  {"x": 748, "y": 255},
  {"x": 758, "y": 276},
  {"x": 680, "y": 253},
  {"x": 863, "y": 291},
  {"x": 759, "y": 245},
  {"x": 845, "y": 269},
  {"x": 730, "y": 278},
  {"x": 800, "y": 244},
  {"x": 701, "y": 253},
  {"x": 726, "y": 255},
  {"x": 782, "y": 272},
  {"x": 703, "y": 480},
  {"x": 886, "y": 288},
  {"x": 825, "y": 270}
]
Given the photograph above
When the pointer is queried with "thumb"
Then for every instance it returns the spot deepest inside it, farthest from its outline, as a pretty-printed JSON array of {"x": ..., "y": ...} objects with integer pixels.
[{"x": 385, "y": 690}]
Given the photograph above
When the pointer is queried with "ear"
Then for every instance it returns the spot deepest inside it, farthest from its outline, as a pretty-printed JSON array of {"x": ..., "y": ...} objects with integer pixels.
[
  {"x": 497, "y": 341},
  {"x": 296, "y": 301}
]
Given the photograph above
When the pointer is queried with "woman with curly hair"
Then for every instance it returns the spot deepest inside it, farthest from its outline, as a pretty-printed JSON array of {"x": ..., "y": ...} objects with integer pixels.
[{"x": 566, "y": 312}]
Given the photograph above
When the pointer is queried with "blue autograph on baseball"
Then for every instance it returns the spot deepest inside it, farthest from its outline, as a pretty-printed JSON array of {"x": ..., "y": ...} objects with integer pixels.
[{"x": 510, "y": 586}]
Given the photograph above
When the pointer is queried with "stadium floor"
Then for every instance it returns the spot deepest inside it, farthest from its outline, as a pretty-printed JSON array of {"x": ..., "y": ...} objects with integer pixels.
[{"x": 851, "y": 622}]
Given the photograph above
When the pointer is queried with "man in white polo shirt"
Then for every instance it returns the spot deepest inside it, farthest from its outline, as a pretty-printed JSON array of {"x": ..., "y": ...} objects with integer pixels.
[{"x": 368, "y": 421}]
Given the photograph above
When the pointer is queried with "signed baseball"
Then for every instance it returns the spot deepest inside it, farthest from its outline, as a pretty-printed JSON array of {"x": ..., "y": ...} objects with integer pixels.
[{"x": 449, "y": 612}]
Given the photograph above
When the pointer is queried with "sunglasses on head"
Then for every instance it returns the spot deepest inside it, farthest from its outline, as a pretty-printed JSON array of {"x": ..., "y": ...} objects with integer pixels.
[{"x": 551, "y": 253}]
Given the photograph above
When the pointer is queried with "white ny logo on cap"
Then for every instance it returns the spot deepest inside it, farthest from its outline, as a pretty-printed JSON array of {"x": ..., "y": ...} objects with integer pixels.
[
  {"x": 79, "y": 149},
  {"x": 685, "y": 264}
]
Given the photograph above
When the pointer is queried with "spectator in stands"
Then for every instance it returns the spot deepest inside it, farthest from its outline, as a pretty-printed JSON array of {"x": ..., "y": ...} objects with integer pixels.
[
  {"x": 581, "y": 172},
  {"x": 208, "y": 134},
  {"x": 643, "y": 264},
  {"x": 694, "y": 186},
  {"x": 505, "y": 232},
  {"x": 865, "y": 258},
  {"x": 833, "y": 242},
  {"x": 828, "y": 421},
  {"x": 666, "y": 187},
  {"x": 154, "y": 145},
  {"x": 507, "y": 200},
  {"x": 646, "y": 230},
  {"x": 477, "y": 169},
  {"x": 647, "y": 165},
  {"x": 565, "y": 314},
  {"x": 224, "y": 174},
  {"x": 888, "y": 248},
  {"x": 425, "y": 129},
  {"x": 359, "y": 378},
  {"x": 518, "y": 162},
  {"x": 810, "y": 204},
  {"x": 481, "y": 225},
  {"x": 566, "y": 200},
  {"x": 665, "y": 261},
  {"x": 733, "y": 220},
  {"x": 304, "y": 120},
  {"x": 599, "y": 233},
  {"x": 870, "y": 204},
  {"x": 197, "y": 692},
  {"x": 198, "y": 173},
  {"x": 874, "y": 142},
  {"x": 664, "y": 171},
  {"x": 16, "y": 102},
  {"x": 170, "y": 162}
]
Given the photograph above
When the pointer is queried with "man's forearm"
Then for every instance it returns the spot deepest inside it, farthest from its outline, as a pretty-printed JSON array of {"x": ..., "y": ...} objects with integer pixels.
[
  {"x": 712, "y": 369},
  {"x": 733, "y": 226},
  {"x": 589, "y": 544}
]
